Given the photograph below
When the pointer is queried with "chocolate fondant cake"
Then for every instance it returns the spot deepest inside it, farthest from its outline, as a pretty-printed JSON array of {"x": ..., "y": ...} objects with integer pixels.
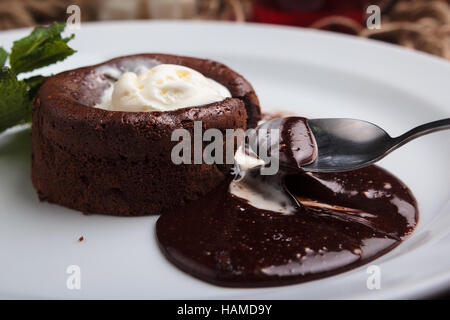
[{"x": 118, "y": 162}]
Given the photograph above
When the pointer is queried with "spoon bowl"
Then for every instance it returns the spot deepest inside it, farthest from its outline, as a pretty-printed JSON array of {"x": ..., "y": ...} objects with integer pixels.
[{"x": 350, "y": 144}]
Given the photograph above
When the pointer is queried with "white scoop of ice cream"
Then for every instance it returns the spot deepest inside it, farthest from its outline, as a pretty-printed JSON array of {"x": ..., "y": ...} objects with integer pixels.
[{"x": 162, "y": 88}]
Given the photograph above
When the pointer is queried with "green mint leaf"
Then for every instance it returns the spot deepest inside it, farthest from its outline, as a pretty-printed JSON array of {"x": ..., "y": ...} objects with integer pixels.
[
  {"x": 37, "y": 37},
  {"x": 15, "y": 104},
  {"x": 3, "y": 56},
  {"x": 44, "y": 46},
  {"x": 47, "y": 54}
]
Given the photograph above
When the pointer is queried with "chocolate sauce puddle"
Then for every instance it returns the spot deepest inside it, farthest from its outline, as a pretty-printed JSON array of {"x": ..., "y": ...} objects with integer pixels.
[{"x": 331, "y": 222}]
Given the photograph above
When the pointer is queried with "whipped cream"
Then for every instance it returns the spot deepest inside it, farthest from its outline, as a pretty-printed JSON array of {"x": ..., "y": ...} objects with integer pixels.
[{"x": 162, "y": 88}]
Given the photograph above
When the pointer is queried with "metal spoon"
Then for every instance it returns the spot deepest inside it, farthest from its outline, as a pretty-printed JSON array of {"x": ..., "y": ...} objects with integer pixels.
[{"x": 349, "y": 144}]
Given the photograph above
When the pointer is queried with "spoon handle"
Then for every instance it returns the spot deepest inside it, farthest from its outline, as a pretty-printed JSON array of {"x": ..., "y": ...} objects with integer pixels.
[{"x": 419, "y": 131}]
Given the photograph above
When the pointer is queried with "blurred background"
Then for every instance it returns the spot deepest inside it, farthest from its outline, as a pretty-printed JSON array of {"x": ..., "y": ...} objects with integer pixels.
[{"x": 418, "y": 24}]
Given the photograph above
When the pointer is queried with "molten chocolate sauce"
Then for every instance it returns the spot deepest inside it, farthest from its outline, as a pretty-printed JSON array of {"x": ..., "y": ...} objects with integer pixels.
[{"x": 339, "y": 221}]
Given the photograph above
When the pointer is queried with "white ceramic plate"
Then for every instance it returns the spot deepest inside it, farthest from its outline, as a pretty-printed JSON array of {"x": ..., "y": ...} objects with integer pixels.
[{"x": 312, "y": 73}]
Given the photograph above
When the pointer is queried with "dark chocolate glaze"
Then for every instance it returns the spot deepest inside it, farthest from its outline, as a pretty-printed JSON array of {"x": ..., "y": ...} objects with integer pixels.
[{"x": 343, "y": 220}]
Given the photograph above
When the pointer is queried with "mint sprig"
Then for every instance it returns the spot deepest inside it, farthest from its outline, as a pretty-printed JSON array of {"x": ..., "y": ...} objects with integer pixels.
[
  {"x": 42, "y": 47},
  {"x": 14, "y": 100},
  {"x": 3, "y": 57}
]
